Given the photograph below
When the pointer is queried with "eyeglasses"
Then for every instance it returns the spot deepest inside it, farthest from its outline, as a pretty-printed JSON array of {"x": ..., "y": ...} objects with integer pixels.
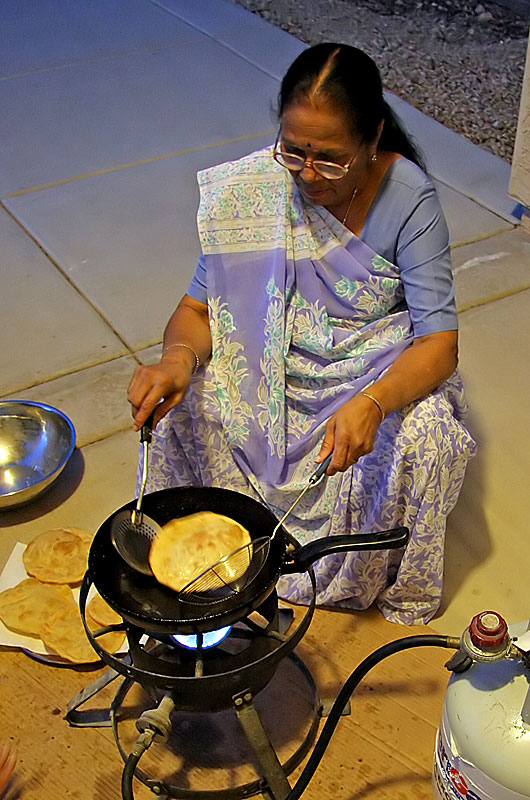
[{"x": 327, "y": 169}]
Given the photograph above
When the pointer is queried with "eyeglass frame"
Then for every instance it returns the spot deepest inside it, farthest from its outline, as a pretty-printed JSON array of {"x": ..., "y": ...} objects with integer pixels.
[{"x": 312, "y": 162}]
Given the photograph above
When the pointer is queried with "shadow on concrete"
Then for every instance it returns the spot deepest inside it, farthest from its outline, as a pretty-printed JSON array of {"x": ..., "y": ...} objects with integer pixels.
[
  {"x": 55, "y": 495},
  {"x": 467, "y": 541},
  {"x": 411, "y": 784},
  {"x": 210, "y": 749}
]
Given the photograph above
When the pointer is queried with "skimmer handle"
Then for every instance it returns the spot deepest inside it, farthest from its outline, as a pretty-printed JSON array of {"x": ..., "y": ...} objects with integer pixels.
[
  {"x": 145, "y": 440},
  {"x": 147, "y": 429},
  {"x": 320, "y": 470},
  {"x": 315, "y": 478}
]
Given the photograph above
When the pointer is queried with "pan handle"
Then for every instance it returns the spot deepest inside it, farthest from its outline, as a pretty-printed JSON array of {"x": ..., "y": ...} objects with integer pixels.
[{"x": 300, "y": 560}]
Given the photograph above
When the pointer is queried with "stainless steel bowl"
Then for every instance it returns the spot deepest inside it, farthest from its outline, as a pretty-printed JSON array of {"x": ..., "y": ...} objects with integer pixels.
[{"x": 36, "y": 441}]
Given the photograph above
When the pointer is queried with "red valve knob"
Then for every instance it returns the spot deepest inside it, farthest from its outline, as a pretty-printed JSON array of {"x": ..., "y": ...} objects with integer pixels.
[{"x": 488, "y": 630}]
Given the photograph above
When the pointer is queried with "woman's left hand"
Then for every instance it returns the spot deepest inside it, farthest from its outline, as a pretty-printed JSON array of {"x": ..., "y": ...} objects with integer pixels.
[
  {"x": 350, "y": 433},
  {"x": 417, "y": 371}
]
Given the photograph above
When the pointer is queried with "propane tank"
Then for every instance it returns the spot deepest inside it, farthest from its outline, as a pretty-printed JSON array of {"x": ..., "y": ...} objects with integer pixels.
[{"x": 483, "y": 742}]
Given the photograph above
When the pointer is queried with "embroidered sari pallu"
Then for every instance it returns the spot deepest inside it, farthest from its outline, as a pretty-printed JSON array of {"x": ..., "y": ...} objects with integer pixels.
[{"x": 302, "y": 317}]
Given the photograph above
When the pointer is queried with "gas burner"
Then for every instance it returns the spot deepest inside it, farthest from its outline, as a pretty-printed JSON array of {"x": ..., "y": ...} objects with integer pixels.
[
  {"x": 206, "y": 672},
  {"x": 231, "y": 673},
  {"x": 244, "y": 658},
  {"x": 226, "y": 677}
]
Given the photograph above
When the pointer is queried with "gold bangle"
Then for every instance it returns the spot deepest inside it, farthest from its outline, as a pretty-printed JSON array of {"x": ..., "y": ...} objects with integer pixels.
[
  {"x": 376, "y": 401},
  {"x": 180, "y": 344}
]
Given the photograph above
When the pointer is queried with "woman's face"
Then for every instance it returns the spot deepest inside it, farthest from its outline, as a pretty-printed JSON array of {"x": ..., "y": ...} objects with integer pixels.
[{"x": 319, "y": 132}]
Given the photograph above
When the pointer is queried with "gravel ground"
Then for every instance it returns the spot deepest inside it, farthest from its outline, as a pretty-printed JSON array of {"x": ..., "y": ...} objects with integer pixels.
[{"x": 457, "y": 61}]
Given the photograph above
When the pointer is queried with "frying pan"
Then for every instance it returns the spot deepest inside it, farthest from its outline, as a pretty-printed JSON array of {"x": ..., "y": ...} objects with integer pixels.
[{"x": 144, "y": 602}]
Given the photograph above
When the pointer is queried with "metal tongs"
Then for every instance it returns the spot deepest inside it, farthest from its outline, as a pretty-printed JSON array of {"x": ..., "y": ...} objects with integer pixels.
[
  {"x": 316, "y": 477},
  {"x": 232, "y": 571}
]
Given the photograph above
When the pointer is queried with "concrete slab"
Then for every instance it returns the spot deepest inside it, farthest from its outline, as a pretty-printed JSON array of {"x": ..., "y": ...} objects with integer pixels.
[
  {"x": 457, "y": 162},
  {"x": 492, "y": 269},
  {"x": 150, "y": 355},
  {"x": 467, "y": 220},
  {"x": 96, "y": 482},
  {"x": 127, "y": 239},
  {"x": 139, "y": 83},
  {"x": 52, "y": 34},
  {"x": 94, "y": 399},
  {"x": 488, "y": 547},
  {"x": 250, "y": 36},
  {"x": 94, "y": 116},
  {"x": 451, "y": 158},
  {"x": 48, "y": 329}
]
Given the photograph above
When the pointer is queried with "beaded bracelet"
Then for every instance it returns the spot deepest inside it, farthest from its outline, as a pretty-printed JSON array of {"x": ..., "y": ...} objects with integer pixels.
[
  {"x": 180, "y": 344},
  {"x": 376, "y": 401}
]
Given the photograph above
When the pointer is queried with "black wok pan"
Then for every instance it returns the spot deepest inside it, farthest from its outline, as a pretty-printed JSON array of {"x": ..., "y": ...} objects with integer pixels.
[{"x": 144, "y": 602}]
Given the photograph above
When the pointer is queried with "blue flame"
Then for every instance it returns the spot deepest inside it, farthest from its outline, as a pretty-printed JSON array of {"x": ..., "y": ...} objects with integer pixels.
[{"x": 209, "y": 639}]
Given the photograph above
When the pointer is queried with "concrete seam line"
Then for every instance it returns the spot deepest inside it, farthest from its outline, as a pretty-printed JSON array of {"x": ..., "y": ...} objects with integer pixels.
[
  {"x": 492, "y": 299},
  {"x": 129, "y": 164}
]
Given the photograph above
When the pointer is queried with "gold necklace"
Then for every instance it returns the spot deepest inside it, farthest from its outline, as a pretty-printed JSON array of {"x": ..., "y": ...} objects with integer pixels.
[{"x": 349, "y": 206}]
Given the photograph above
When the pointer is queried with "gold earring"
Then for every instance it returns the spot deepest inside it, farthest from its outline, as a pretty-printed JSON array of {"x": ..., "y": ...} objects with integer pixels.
[{"x": 373, "y": 158}]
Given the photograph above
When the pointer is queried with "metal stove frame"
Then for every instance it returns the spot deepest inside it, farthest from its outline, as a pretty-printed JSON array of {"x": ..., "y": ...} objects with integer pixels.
[{"x": 272, "y": 783}]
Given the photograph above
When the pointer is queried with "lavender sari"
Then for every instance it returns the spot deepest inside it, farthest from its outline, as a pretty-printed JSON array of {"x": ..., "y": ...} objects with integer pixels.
[{"x": 303, "y": 316}]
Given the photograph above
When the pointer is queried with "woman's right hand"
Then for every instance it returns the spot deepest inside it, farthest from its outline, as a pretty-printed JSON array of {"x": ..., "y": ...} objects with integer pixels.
[{"x": 167, "y": 381}]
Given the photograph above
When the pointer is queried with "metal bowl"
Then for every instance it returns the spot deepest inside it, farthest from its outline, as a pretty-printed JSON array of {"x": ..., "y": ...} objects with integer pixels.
[{"x": 36, "y": 441}]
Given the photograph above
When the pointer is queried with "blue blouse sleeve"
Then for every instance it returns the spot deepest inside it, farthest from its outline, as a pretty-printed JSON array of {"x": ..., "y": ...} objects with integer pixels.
[
  {"x": 197, "y": 287},
  {"x": 407, "y": 226},
  {"x": 424, "y": 261}
]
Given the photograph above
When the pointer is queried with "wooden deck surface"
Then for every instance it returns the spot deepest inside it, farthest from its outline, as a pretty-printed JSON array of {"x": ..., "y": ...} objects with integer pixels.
[{"x": 382, "y": 751}]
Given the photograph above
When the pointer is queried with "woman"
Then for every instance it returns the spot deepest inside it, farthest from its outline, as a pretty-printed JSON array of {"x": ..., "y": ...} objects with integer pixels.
[{"x": 320, "y": 320}]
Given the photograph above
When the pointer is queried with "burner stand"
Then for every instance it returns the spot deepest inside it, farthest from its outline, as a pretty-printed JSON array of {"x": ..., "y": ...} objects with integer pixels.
[
  {"x": 220, "y": 678},
  {"x": 208, "y": 680},
  {"x": 272, "y": 783}
]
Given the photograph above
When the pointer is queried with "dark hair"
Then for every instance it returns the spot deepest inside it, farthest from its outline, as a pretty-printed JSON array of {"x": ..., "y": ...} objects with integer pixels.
[{"x": 348, "y": 78}]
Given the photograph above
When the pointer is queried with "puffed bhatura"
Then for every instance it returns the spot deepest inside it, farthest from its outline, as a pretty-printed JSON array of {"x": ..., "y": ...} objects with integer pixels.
[
  {"x": 111, "y": 641},
  {"x": 187, "y": 546},
  {"x": 25, "y": 607},
  {"x": 64, "y": 633},
  {"x": 100, "y": 611},
  {"x": 43, "y": 606},
  {"x": 58, "y": 556}
]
